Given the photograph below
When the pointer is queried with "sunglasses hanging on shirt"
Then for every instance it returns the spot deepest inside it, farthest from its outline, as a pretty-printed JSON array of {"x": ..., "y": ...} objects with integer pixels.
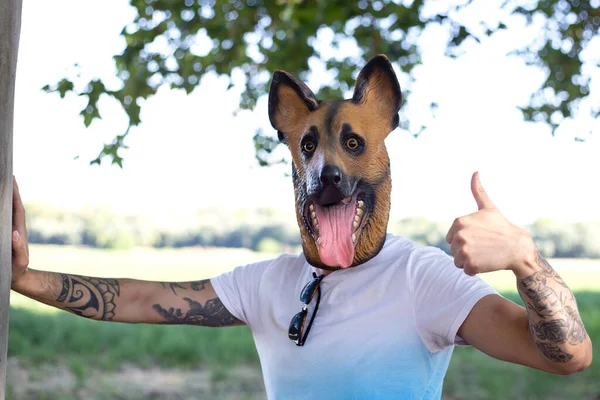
[{"x": 295, "y": 332}]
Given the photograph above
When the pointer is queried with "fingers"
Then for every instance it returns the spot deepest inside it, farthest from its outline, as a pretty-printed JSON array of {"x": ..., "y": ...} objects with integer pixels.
[
  {"x": 455, "y": 246},
  {"x": 463, "y": 261},
  {"x": 459, "y": 261},
  {"x": 483, "y": 202},
  {"x": 459, "y": 248},
  {"x": 458, "y": 224},
  {"x": 20, "y": 256},
  {"x": 19, "y": 223},
  {"x": 450, "y": 234},
  {"x": 468, "y": 229},
  {"x": 479, "y": 193}
]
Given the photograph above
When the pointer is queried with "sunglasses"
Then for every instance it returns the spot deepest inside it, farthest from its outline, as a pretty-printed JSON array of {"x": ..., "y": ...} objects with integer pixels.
[{"x": 306, "y": 296}]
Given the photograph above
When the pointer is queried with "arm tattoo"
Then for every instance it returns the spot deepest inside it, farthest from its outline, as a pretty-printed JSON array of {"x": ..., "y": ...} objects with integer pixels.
[
  {"x": 172, "y": 286},
  {"x": 212, "y": 313},
  {"x": 196, "y": 286},
  {"x": 577, "y": 333},
  {"x": 553, "y": 317},
  {"x": 89, "y": 297},
  {"x": 553, "y": 352},
  {"x": 544, "y": 301},
  {"x": 548, "y": 271},
  {"x": 552, "y": 331}
]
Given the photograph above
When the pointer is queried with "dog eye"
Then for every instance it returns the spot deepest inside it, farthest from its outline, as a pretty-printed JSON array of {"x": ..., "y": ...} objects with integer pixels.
[
  {"x": 309, "y": 146},
  {"x": 352, "y": 144}
]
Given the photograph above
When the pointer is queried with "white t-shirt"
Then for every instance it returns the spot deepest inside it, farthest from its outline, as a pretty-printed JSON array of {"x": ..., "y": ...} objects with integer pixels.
[{"x": 384, "y": 330}]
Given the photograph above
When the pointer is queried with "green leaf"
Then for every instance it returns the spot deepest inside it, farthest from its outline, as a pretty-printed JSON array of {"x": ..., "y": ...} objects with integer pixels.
[
  {"x": 89, "y": 114},
  {"x": 258, "y": 37}
]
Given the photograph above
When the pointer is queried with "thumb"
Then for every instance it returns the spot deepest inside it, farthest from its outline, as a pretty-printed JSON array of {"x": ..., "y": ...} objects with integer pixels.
[{"x": 481, "y": 197}]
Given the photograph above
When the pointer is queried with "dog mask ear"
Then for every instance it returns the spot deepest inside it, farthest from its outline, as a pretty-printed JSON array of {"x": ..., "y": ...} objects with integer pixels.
[
  {"x": 378, "y": 89},
  {"x": 289, "y": 101}
]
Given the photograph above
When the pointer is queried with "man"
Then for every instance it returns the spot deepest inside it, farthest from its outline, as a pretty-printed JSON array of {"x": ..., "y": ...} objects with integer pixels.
[{"x": 360, "y": 313}]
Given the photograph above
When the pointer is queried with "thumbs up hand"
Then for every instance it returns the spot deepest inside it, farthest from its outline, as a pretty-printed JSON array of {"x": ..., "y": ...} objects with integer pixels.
[{"x": 486, "y": 241}]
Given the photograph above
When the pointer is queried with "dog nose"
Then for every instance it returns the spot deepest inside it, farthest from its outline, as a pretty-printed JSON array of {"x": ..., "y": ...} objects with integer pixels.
[{"x": 331, "y": 175}]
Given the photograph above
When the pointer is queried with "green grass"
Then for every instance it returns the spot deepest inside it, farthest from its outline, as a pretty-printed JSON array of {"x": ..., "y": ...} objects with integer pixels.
[
  {"x": 83, "y": 345},
  {"x": 40, "y": 338}
]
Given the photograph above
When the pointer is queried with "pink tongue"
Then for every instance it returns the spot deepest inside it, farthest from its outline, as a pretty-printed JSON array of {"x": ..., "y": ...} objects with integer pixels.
[{"x": 335, "y": 228}]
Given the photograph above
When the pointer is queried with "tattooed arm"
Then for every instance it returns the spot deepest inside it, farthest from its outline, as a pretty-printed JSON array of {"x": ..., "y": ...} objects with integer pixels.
[
  {"x": 122, "y": 300},
  {"x": 553, "y": 319},
  {"x": 191, "y": 303},
  {"x": 548, "y": 334},
  {"x": 128, "y": 300}
]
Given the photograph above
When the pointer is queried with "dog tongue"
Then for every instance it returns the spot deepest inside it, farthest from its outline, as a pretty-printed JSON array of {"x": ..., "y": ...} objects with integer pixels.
[{"x": 335, "y": 227}]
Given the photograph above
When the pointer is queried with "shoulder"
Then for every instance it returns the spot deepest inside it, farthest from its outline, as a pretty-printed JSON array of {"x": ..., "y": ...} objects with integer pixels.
[
  {"x": 284, "y": 263},
  {"x": 415, "y": 261},
  {"x": 285, "y": 266},
  {"x": 406, "y": 252}
]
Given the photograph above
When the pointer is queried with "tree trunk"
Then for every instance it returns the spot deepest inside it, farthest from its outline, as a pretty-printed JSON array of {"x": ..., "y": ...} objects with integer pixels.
[{"x": 10, "y": 27}]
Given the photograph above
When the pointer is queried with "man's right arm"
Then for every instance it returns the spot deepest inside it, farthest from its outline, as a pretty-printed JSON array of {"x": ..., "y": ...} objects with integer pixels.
[
  {"x": 106, "y": 299},
  {"x": 128, "y": 300}
]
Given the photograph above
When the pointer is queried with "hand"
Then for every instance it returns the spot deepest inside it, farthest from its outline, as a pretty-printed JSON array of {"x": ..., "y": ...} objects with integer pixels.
[
  {"x": 486, "y": 241},
  {"x": 20, "y": 246}
]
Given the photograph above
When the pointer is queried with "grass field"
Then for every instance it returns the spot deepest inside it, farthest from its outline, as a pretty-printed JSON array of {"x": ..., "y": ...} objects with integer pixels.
[{"x": 60, "y": 356}]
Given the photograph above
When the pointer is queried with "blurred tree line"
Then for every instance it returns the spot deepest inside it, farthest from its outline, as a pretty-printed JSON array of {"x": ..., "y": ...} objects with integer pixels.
[
  {"x": 262, "y": 229},
  {"x": 554, "y": 239}
]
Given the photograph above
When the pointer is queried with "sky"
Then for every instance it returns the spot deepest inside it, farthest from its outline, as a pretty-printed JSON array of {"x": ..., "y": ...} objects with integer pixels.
[{"x": 191, "y": 152}]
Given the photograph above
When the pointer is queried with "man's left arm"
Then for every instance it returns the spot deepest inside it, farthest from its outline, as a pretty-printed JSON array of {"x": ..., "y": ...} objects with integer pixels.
[{"x": 549, "y": 334}]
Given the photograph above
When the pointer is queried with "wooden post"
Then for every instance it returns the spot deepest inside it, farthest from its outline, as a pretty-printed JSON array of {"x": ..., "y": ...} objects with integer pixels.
[{"x": 10, "y": 27}]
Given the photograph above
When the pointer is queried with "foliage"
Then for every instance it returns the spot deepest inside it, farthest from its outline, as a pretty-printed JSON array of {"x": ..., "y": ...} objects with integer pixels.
[
  {"x": 567, "y": 29},
  {"x": 262, "y": 229},
  {"x": 175, "y": 43}
]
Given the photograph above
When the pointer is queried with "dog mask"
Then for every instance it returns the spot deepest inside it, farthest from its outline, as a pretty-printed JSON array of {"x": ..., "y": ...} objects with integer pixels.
[{"x": 340, "y": 165}]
